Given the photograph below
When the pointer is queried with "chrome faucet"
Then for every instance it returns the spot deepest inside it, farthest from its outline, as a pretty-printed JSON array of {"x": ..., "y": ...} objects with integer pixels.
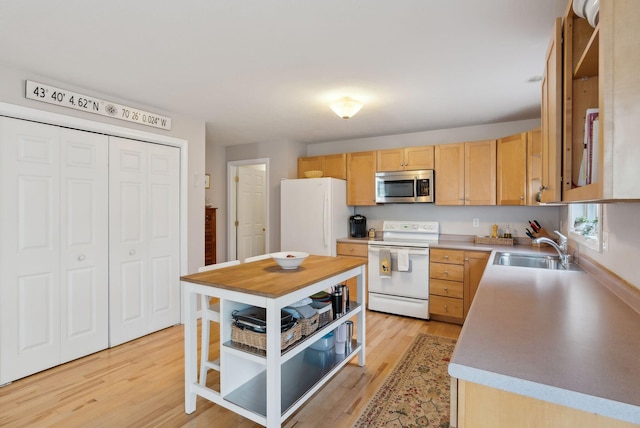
[{"x": 561, "y": 249}]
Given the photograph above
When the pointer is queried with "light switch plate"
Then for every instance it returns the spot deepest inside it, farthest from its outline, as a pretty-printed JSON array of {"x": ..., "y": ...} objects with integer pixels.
[{"x": 476, "y": 222}]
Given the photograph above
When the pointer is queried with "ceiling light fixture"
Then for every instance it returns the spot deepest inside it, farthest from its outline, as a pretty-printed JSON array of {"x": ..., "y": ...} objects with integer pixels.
[{"x": 346, "y": 107}]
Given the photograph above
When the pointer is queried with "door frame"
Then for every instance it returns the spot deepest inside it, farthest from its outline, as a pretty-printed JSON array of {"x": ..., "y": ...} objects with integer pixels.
[
  {"x": 232, "y": 203},
  {"x": 27, "y": 113}
]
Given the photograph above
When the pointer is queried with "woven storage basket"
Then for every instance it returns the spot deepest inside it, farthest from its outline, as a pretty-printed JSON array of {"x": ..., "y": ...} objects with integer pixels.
[
  {"x": 493, "y": 241},
  {"x": 325, "y": 314},
  {"x": 309, "y": 325},
  {"x": 259, "y": 340}
]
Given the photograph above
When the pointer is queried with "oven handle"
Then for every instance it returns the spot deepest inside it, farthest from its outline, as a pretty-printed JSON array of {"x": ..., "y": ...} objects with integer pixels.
[{"x": 394, "y": 250}]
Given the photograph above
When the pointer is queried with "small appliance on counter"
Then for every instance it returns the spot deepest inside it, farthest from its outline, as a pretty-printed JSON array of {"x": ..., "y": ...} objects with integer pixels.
[{"x": 358, "y": 226}]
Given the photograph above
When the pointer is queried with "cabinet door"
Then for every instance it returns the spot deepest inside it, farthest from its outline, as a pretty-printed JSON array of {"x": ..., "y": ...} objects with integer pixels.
[
  {"x": 390, "y": 160},
  {"x": 512, "y": 170},
  {"x": 552, "y": 118},
  {"x": 474, "y": 265},
  {"x": 335, "y": 166},
  {"x": 84, "y": 256},
  {"x": 449, "y": 174},
  {"x": 29, "y": 248},
  {"x": 534, "y": 165},
  {"x": 312, "y": 163},
  {"x": 419, "y": 158},
  {"x": 361, "y": 171},
  {"x": 480, "y": 173}
]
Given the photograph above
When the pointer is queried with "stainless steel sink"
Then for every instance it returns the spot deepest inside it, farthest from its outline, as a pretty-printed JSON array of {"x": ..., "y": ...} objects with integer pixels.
[{"x": 537, "y": 261}]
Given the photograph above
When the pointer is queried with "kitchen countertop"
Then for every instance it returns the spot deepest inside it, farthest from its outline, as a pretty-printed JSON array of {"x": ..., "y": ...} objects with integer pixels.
[{"x": 558, "y": 336}]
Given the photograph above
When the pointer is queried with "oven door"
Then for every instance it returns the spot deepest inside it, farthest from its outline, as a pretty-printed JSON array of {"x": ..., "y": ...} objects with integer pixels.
[{"x": 411, "y": 283}]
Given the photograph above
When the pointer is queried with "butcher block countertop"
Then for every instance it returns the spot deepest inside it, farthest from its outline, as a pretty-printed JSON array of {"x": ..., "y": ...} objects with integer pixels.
[
  {"x": 267, "y": 279},
  {"x": 558, "y": 336}
]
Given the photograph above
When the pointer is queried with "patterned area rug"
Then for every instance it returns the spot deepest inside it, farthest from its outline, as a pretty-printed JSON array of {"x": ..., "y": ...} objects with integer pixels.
[{"x": 416, "y": 392}]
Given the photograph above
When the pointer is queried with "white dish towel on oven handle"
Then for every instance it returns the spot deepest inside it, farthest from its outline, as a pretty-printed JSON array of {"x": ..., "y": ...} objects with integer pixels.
[{"x": 403, "y": 260}]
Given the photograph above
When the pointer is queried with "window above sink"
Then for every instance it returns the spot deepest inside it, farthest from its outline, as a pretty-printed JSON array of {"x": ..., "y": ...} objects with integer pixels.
[{"x": 585, "y": 225}]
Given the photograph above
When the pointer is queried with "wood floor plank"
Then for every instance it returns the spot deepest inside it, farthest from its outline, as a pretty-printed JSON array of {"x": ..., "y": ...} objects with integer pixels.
[{"x": 141, "y": 384}]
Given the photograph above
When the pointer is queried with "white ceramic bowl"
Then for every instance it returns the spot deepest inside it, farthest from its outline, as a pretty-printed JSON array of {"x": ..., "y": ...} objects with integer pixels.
[{"x": 289, "y": 259}]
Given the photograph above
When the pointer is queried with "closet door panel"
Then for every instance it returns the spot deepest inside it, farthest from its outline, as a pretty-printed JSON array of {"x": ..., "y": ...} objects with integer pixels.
[
  {"x": 29, "y": 248},
  {"x": 84, "y": 243},
  {"x": 128, "y": 297},
  {"x": 164, "y": 235}
]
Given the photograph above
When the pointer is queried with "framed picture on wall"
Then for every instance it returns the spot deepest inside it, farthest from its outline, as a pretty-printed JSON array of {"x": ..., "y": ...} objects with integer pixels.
[{"x": 207, "y": 181}]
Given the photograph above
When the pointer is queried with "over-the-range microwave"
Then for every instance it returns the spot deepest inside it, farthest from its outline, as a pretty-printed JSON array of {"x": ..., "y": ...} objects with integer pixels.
[{"x": 404, "y": 186}]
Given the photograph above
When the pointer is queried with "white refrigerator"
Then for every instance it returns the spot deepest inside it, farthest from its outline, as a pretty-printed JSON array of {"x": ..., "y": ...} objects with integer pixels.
[{"x": 313, "y": 214}]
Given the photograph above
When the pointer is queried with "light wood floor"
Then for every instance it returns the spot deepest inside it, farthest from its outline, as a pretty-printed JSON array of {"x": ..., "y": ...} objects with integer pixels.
[{"x": 140, "y": 384}]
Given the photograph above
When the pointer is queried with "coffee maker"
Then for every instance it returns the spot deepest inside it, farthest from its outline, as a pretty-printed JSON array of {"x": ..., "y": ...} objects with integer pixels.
[{"x": 358, "y": 226}]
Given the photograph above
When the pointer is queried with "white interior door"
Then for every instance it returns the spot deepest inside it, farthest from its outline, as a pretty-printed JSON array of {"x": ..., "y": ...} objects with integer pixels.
[
  {"x": 29, "y": 248},
  {"x": 84, "y": 262},
  {"x": 251, "y": 229},
  {"x": 144, "y": 238}
]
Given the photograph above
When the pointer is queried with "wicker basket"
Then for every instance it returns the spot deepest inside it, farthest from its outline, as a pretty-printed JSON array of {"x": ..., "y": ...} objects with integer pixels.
[
  {"x": 493, "y": 241},
  {"x": 259, "y": 340},
  {"x": 309, "y": 325}
]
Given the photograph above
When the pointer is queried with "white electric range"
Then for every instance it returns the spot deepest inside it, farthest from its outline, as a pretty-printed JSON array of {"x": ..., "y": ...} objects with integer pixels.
[{"x": 399, "y": 268}]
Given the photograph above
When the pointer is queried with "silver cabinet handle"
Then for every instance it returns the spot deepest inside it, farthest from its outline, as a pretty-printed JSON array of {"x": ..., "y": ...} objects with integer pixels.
[
  {"x": 132, "y": 252},
  {"x": 81, "y": 257}
]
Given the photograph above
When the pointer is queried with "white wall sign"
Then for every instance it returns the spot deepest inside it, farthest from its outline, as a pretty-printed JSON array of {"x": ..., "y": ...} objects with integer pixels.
[{"x": 62, "y": 97}]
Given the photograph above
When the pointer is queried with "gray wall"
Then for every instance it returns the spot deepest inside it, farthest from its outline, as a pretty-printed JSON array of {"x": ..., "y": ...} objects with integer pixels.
[{"x": 12, "y": 91}]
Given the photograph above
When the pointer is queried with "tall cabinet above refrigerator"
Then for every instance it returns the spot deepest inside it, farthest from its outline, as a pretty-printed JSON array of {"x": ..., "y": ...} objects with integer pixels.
[{"x": 313, "y": 214}]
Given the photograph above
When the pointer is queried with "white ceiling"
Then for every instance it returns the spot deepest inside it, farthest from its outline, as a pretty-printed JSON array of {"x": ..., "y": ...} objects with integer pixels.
[{"x": 262, "y": 71}]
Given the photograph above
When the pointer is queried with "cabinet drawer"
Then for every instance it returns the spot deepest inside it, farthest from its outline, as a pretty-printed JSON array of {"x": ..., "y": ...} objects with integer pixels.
[
  {"x": 446, "y": 271},
  {"x": 446, "y": 288},
  {"x": 349, "y": 249},
  {"x": 446, "y": 256},
  {"x": 446, "y": 306}
]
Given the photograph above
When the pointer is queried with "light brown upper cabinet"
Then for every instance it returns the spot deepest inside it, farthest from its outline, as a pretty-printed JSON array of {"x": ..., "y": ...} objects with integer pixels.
[
  {"x": 405, "y": 159},
  {"x": 331, "y": 165},
  {"x": 512, "y": 170},
  {"x": 465, "y": 173},
  {"x": 361, "y": 173},
  {"x": 601, "y": 71},
  {"x": 550, "y": 186}
]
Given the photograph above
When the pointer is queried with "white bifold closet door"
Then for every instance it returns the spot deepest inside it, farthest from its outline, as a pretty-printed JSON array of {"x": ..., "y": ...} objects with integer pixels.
[
  {"x": 54, "y": 246},
  {"x": 144, "y": 241}
]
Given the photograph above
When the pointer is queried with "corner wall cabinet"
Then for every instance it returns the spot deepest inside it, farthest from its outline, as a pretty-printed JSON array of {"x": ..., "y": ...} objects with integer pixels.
[
  {"x": 269, "y": 386},
  {"x": 81, "y": 252},
  {"x": 600, "y": 71}
]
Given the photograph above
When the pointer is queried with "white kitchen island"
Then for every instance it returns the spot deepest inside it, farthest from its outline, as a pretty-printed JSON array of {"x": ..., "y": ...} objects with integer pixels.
[{"x": 268, "y": 387}]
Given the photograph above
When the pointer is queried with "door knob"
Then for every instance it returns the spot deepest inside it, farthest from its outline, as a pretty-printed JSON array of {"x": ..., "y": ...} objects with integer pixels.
[
  {"x": 81, "y": 257},
  {"x": 132, "y": 252}
]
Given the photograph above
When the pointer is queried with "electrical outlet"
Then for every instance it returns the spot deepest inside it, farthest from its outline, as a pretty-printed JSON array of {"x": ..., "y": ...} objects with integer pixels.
[
  {"x": 476, "y": 222},
  {"x": 605, "y": 241}
]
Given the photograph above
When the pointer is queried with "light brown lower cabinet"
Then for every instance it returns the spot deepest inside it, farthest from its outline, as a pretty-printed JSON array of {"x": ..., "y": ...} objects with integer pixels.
[
  {"x": 357, "y": 250},
  {"x": 454, "y": 276},
  {"x": 481, "y": 406}
]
